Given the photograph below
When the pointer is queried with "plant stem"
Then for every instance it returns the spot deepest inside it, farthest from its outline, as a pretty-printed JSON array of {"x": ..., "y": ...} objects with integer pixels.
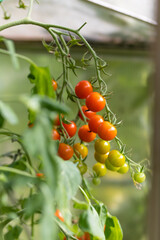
[{"x": 30, "y": 9}]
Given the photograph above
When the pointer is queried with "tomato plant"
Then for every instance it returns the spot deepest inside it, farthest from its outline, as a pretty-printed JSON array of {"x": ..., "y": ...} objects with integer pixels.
[{"x": 37, "y": 180}]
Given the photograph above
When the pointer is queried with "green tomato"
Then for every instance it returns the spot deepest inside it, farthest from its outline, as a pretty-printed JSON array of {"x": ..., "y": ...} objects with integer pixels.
[
  {"x": 96, "y": 181},
  {"x": 100, "y": 157},
  {"x": 102, "y": 146},
  {"x": 116, "y": 158},
  {"x": 139, "y": 177},
  {"x": 82, "y": 167},
  {"x": 124, "y": 169},
  {"x": 100, "y": 169},
  {"x": 110, "y": 166}
]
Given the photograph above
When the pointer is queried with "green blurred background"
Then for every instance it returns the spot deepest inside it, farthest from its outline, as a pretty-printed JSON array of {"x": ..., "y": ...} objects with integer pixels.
[{"x": 131, "y": 99}]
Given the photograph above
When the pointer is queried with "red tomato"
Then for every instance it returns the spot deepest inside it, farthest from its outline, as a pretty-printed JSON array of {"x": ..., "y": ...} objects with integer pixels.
[
  {"x": 59, "y": 215},
  {"x": 54, "y": 84},
  {"x": 85, "y": 134},
  {"x": 55, "y": 135},
  {"x": 107, "y": 131},
  {"x": 30, "y": 125},
  {"x": 95, "y": 102},
  {"x": 83, "y": 88},
  {"x": 39, "y": 175},
  {"x": 65, "y": 151},
  {"x": 71, "y": 128},
  {"x": 89, "y": 114},
  {"x": 94, "y": 123}
]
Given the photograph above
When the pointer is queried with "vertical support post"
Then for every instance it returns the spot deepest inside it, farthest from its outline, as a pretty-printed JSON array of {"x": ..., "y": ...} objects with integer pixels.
[{"x": 154, "y": 211}]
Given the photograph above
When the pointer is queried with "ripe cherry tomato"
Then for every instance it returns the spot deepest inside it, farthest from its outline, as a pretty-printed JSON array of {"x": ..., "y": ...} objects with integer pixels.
[
  {"x": 101, "y": 157},
  {"x": 80, "y": 150},
  {"x": 107, "y": 131},
  {"x": 65, "y": 151},
  {"x": 95, "y": 102},
  {"x": 71, "y": 128},
  {"x": 55, "y": 135},
  {"x": 83, "y": 88},
  {"x": 110, "y": 167},
  {"x": 116, "y": 158},
  {"x": 124, "y": 169},
  {"x": 102, "y": 146},
  {"x": 57, "y": 121},
  {"x": 94, "y": 123},
  {"x": 59, "y": 215},
  {"x": 100, "y": 169},
  {"x": 39, "y": 175},
  {"x": 85, "y": 134},
  {"x": 139, "y": 177},
  {"x": 89, "y": 114},
  {"x": 30, "y": 125},
  {"x": 54, "y": 84},
  {"x": 82, "y": 167}
]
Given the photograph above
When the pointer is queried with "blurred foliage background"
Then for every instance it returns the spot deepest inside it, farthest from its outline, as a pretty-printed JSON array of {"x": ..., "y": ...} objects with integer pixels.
[{"x": 131, "y": 99}]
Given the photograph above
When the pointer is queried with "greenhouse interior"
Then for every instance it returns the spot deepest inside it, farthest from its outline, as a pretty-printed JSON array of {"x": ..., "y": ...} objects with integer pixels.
[{"x": 75, "y": 40}]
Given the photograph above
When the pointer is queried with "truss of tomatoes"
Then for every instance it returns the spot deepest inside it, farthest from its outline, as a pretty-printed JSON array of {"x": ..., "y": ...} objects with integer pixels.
[{"x": 112, "y": 160}]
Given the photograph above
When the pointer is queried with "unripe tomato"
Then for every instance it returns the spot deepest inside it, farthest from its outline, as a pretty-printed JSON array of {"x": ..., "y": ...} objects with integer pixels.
[
  {"x": 71, "y": 128},
  {"x": 59, "y": 215},
  {"x": 139, "y": 177},
  {"x": 83, "y": 88},
  {"x": 124, "y": 169},
  {"x": 95, "y": 102},
  {"x": 80, "y": 150},
  {"x": 55, "y": 135},
  {"x": 82, "y": 167},
  {"x": 65, "y": 151},
  {"x": 116, "y": 158},
  {"x": 94, "y": 123},
  {"x": 96, "y": 181},
  {"x": 85, "y": 134},
  {"x": 54, "y": 84},
  {"x": 102, "y": 146},
  {"x": 107, "y": 131},
  {"x": 100, "y": 169},
  {"x": 110, "y": 167},
  {"x": 89, "y": 114},
  {"x": 101, "y": 157}
]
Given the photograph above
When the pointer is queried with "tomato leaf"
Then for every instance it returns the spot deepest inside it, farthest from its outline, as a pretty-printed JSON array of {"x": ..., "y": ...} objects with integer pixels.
[
  {"x": 79, "y": 204},
  {"x": 7, "y": 113},
  {"x": 13, "y": 233},
  {"x": 113, "y": 230},
  {"x": 102, "y": 212},
  {"x": 41, "y": 77},
  {"x": 89, "y": 221}
]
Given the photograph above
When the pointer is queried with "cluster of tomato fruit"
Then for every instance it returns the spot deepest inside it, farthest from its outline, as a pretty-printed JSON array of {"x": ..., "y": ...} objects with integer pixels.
[{"x": 112, "y": 160}]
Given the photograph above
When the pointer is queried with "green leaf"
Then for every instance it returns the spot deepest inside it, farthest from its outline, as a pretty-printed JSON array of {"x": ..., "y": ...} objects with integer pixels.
[
  {"x": 89, "y": 221},
  {"x": 1, "y": 120},
  {"x": 113, "y": 230},
  {"x": 13, "y": 233},
  {"x": 7, "y": 113},
  {"x": 41, "y": 77},
  {"x": 102, "y": 212},
  {"x": 80, "y": 205}
]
